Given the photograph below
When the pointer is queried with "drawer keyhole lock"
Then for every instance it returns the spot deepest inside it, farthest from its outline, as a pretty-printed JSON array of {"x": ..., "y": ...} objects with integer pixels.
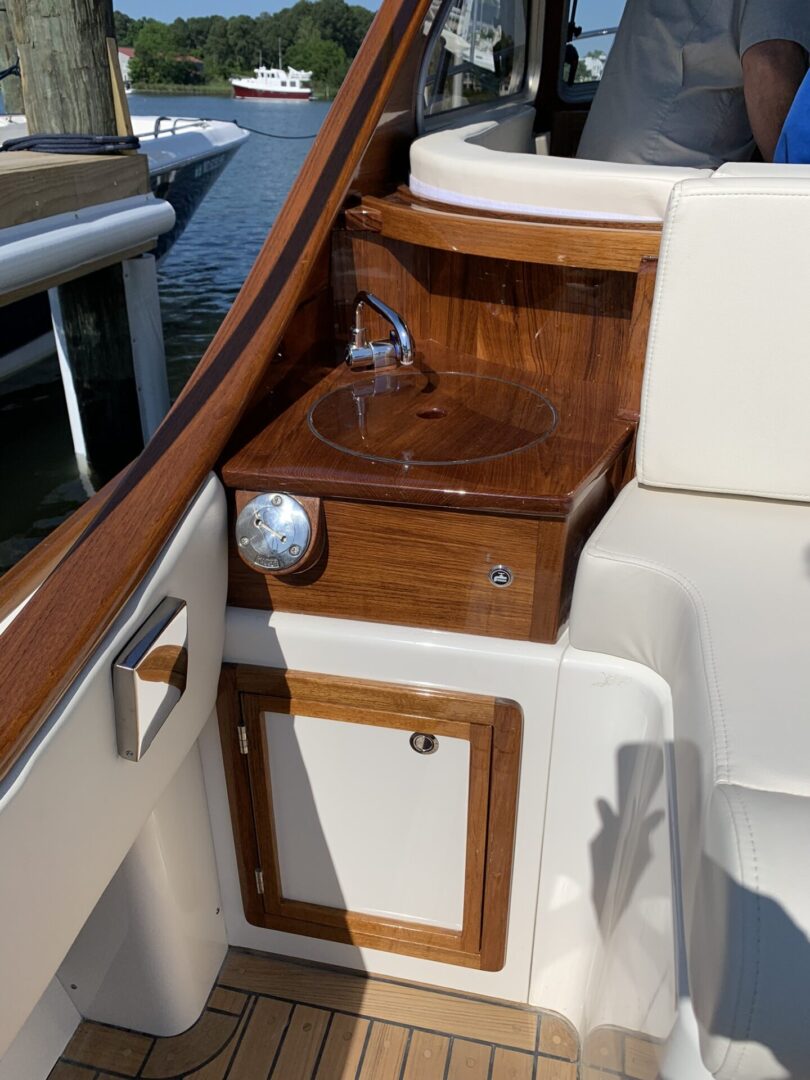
[{"x": 424, "y": 744}]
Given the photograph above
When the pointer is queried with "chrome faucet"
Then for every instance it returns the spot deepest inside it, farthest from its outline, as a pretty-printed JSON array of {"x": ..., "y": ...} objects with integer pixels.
[{"x": 379, "y": 355}]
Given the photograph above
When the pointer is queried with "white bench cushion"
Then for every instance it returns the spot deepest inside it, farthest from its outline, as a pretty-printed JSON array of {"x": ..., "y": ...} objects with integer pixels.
[
  {"x": 454, "y": 166},
  {"x": 713, "y": 593}
]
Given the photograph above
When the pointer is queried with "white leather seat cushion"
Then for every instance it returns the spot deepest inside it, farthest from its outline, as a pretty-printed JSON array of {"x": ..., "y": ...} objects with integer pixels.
[
  {"x": 713, "y": 593},
  {"x": 749, "y": 953},
  {"x": 727, "y": 353},
  {"x": 452, "y": 166},
  {"x": 664, "y": 568}
]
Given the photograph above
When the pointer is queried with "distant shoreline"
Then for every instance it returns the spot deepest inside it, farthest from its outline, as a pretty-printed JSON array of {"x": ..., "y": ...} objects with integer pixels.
[{"x": 208, "y": 90}]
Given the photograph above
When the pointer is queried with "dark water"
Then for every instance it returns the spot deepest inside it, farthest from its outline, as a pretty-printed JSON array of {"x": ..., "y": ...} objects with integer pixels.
[{"x": 39, "y": 480}]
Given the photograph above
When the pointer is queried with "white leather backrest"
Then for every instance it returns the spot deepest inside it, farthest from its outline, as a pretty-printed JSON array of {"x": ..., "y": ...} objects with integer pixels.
[{"x": 726, "y": 397}]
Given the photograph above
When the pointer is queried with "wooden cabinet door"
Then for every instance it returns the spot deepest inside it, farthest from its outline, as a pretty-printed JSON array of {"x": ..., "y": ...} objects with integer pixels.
[{"x": 355, "y": 834}]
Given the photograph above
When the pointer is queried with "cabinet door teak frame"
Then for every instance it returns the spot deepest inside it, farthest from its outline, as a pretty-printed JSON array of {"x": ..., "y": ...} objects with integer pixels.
[{"x": 491, "y": 726}]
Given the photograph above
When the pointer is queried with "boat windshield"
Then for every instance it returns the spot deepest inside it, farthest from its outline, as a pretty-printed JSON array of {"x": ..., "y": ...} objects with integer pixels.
[{"x": 478, "y": 56}]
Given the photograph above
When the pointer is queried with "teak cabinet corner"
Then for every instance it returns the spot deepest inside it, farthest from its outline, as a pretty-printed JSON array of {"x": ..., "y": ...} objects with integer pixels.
[{"x": 373, "y": 814}]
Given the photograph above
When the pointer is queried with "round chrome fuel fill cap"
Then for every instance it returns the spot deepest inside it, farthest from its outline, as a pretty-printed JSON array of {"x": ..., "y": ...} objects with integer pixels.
[{"x": 273, "y": 532}]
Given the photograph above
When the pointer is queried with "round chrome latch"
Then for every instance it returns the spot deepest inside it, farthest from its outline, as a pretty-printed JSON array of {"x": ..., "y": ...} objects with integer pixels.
[
  {"x": 424, "y": 744},
  {"x": 273, "y": 532},
  {"x": 501, "y": 576}
]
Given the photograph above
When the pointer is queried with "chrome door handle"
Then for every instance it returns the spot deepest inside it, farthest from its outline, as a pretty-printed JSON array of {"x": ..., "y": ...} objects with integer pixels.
[{"x": 149, "y": 677}]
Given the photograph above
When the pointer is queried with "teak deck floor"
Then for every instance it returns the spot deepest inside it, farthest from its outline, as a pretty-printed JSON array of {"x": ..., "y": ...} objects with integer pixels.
[{"x": 274, "y": 1018}]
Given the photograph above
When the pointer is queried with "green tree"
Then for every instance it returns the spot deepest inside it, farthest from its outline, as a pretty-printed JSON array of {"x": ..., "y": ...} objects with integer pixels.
[
  {"x": 325, "y": 59},
  {"x": 123, "y": 25},
  {"x": 215, "y": 53},
  {"x": 198, "y": 28},
  {"x": 320, "y": 36},
  {"x": 156, "y": 57},
  {"x": 243, "y": 44}
]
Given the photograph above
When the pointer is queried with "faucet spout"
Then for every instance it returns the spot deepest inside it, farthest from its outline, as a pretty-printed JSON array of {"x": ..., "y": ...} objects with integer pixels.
[{"x": 362, "y": 354}]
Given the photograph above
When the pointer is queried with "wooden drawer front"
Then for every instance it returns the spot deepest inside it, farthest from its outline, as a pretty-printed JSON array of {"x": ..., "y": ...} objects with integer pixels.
[
  {"x": 358, "y": 837},
  {"x": 415, "y": 567}
]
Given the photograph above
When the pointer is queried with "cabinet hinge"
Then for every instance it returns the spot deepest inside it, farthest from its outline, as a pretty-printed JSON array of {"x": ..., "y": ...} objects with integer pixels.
[
  {"x": 259, "y": 882},
  {"x": 243, "y": 743}
]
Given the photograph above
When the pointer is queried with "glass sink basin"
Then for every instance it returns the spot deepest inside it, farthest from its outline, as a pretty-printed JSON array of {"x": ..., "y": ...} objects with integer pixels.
[{"x": 432, "y": 418}]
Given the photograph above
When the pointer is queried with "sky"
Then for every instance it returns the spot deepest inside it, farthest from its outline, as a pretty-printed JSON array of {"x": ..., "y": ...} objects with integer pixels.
[{"x": 590, "y": 13}]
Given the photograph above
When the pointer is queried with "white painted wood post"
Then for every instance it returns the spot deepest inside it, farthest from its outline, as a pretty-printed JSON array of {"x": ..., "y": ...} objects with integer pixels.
[
  {"x": 148, "y": 353},
  {"x": 146, "y": 336},
  {"x": 71, "y": 398}
]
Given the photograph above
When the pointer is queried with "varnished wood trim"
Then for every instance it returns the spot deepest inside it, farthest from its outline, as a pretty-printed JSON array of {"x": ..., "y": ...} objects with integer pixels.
[
  {"x": 503, "y": 796},
  {"x": 632, "y": 371},
  {"x": 532, "y": 242},
  {"x": 237, "y": 779},
  {"x": 166, "y": 664},
  {"x": 451, "y": 1012},
  {"x": 478, "y": 798},
  {"x": 287, "y": 912},
  {"x": 356, "y": 714},
  {"x": 362, "y": 219},
  {"x": 69, "y": 615},
  {"x": 414, "y": 701}
]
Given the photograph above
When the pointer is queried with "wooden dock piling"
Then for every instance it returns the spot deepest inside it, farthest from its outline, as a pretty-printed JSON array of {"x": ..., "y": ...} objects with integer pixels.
[
  {"x": 67, "y": 88},
  {"x": 10, "y": 87}
]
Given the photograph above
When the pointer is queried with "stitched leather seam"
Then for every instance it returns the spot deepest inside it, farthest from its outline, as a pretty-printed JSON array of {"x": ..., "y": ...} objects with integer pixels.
[
  {"x": 714, "y": 489},
  {"x": 721, "y": 768},
  {"x": 758, "y": 932}
]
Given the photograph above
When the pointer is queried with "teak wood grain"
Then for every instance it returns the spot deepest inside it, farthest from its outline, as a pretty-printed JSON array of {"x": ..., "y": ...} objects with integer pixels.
[
  {"x": 385, "y": 1000},
  {"x": 596, "y": 248},
  {"x": 490, "y": 725},
  {"x": 48, "y": 644},
  {"x": 633, "y": 369},
  {"x": 370, "y": 570},
  {"x": 166, "y": 664},
  {"x": 550, "y": 320},
  {"x": 544, "y": 479},
  {"x": 452, "y": 523}
]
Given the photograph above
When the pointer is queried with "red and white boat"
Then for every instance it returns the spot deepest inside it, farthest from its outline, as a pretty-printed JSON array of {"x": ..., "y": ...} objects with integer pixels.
[{"x": 291, "y": 85}]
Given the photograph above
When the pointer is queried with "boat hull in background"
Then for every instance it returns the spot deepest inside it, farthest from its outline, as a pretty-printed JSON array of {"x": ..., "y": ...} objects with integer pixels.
[
  {"x": 244, "y": 92},
  {"x": 185, "y": 157}
]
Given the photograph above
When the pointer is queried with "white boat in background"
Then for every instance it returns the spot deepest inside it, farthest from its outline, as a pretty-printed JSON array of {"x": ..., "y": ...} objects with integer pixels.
[
  {"x": 289, "y": 85},
  {"x": 186, "y": 155}
]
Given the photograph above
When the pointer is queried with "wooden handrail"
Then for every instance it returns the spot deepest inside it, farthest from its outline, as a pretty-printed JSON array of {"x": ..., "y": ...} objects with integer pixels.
[{"x": 46, "y": 646}]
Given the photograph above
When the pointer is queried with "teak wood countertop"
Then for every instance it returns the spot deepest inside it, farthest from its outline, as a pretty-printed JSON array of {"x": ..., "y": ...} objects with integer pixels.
[{"x": 542, "y": 480}]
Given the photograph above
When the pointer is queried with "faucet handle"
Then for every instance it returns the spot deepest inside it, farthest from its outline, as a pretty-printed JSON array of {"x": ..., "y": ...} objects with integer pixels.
[{"x": 378, "y": 354}]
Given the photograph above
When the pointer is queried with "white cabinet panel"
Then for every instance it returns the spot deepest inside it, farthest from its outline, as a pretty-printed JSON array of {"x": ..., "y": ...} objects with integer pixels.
[{"x": 366, "y": 824}]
